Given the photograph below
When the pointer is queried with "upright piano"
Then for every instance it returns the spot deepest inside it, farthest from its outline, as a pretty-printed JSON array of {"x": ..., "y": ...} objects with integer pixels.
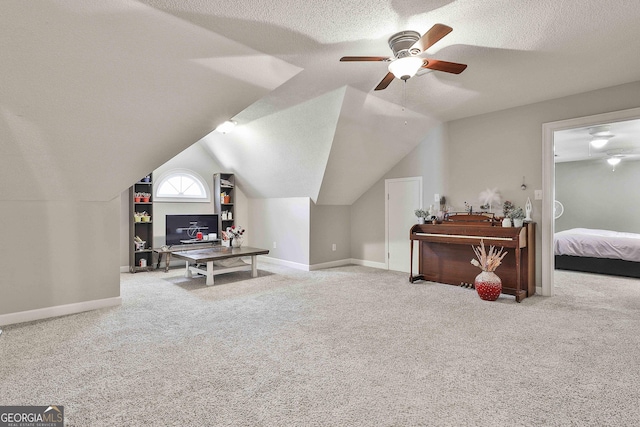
[{"x": 445, "y": 254}]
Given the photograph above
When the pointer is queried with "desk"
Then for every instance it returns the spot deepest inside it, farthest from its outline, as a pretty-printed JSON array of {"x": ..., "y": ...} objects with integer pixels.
[{"x": 217, "y": 254}]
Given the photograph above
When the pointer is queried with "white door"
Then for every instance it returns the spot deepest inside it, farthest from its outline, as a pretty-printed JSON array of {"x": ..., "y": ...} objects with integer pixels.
[{"x": 404, "y": 196}]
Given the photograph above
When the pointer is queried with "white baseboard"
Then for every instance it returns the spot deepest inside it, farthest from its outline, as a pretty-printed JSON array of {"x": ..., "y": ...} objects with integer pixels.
[
  {"x": 58, "y": 310},
  {"x": 338, "y": 263},
  {"x": 365, "y": 263},
  {"x": 124, "y": 269},
  {"x": 330, "y": 264},
  {"x": 296, "y": 265}
]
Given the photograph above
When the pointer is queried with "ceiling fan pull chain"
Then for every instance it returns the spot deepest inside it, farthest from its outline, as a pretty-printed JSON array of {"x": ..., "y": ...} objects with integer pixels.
[{"x": 404, "y": 97}]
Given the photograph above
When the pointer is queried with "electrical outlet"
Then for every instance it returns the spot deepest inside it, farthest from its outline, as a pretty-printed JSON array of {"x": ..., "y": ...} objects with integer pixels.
[
  {"x": 274, "y": 245},
  {"x": 537, "y": 194},
  {"x": 333, "y": 247},
  {"x": 436, "y": 198}
]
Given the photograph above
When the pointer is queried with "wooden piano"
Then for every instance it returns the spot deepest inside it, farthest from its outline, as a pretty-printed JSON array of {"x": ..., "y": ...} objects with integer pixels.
[{"x": 445, "y": 253}]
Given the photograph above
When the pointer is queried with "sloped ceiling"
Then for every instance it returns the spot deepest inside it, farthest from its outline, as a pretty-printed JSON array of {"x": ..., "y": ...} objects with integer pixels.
[
  {"x": 283, "y": 154},
  {"x": 95, "y": 94},
  {"x": 331, "y": 148},
  {"x": 371, "y": 136}
]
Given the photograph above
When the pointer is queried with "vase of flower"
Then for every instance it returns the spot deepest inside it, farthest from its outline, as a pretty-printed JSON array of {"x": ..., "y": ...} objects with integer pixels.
[
  {"x": 234, "y": 234},
  {"x": 487, "y": 283}
]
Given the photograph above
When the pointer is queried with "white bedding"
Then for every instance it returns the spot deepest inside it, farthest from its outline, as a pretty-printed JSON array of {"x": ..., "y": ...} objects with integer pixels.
[{"x": 587, "y": 242}]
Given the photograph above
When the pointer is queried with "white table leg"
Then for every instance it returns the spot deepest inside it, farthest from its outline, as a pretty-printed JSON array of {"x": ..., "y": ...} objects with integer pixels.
[
  {"x": 209, "y": 281},
  {"x": 254, "y": 266},
  {"x": 187, "y": 273}
]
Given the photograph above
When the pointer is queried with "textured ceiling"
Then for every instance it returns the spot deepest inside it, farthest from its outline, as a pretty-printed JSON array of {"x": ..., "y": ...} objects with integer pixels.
[
  {"x": 107, "y": 91},
  {"x": 518, "y": 53}
]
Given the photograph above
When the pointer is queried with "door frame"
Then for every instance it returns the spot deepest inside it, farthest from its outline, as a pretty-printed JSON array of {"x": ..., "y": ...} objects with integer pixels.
[
  {"x": 386, "y": 210},
  {"x": 549, "y": 181}
]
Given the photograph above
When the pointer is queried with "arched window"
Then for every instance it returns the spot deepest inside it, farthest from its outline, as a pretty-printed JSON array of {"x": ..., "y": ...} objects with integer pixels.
[{"x": 181, "y": 186}]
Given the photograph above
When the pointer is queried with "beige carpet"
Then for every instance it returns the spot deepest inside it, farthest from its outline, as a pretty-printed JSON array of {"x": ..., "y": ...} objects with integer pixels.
[{"x": 349, "y": 346}]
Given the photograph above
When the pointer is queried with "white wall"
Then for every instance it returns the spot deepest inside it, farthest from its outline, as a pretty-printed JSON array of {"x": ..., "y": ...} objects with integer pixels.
[
  {"x": 594, "y": 196},
  {"x": 330, "y": 224},
  {"x": 284, "y": 221},
  {"x": 428, "y": 160},
  {"x": 58, "y": 253}
]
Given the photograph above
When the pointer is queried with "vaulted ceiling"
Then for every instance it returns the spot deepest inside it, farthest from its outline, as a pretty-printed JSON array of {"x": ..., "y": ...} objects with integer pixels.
[{"x": 96, "y": 93}]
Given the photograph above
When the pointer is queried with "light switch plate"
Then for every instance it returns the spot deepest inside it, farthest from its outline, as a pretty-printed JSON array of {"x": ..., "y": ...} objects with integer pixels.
[{"x": 537, "y": 194}]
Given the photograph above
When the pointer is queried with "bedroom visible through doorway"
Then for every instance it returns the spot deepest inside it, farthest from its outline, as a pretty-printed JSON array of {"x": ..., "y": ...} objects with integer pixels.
[{"x": 558, "y": 144}]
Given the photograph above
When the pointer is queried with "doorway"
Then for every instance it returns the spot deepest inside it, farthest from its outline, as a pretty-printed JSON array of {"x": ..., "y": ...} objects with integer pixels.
[
  {"x": 402, "y": 197},
  {"x": 548, "y": 182}
]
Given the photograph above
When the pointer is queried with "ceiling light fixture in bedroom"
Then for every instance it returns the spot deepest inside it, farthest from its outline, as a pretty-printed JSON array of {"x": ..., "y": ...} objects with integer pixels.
[
  {"x": 613, "y": 161},
  {"x": 600, "y": 135}
]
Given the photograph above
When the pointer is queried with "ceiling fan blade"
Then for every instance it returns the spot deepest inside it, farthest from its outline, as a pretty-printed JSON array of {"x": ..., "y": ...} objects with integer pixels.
[
  {"x": 385, "y": 82},
  {"x": 364, "y": 58},
  {"x": 447, "y": 67},
  {"x": 431, "y": 37}
]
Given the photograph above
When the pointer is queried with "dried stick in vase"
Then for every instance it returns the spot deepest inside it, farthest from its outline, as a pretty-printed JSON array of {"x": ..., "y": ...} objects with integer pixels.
[{"x": 487, "y": 261}]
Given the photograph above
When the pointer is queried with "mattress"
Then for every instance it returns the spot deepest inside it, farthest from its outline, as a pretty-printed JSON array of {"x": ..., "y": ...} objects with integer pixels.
[{"x": 586, "y": 242}]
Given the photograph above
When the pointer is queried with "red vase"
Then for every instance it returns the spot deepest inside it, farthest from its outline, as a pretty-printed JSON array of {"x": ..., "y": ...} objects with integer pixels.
[{"x": 488, "y": 285}]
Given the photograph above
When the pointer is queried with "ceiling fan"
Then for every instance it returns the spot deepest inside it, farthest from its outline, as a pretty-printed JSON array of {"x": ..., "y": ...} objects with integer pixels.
[{"x": 406, "y": 47}]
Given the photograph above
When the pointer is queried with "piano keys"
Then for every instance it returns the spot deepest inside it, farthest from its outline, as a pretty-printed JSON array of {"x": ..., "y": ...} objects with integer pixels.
[{"x": 445, "y": 253}]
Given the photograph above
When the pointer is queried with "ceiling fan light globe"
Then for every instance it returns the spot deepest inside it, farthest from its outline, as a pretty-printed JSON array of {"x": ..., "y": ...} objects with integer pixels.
[
  {"x": 613, "y": 160},
  {"x": 599, "y": 142},
  {"x": 405, "y": 68}
]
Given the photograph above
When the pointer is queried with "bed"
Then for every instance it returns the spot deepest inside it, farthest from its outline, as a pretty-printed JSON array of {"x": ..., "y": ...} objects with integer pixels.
[{"x": 598, "y": 251}]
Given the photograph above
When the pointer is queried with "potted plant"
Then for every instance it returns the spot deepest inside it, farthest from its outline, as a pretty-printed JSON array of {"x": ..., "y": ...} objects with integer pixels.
[
  {"x": 421, "y": 214},
  {"x": 234, "y": 233},
  {"x": 507, "y": 207},
  {"x": 517, "y": 216}
]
